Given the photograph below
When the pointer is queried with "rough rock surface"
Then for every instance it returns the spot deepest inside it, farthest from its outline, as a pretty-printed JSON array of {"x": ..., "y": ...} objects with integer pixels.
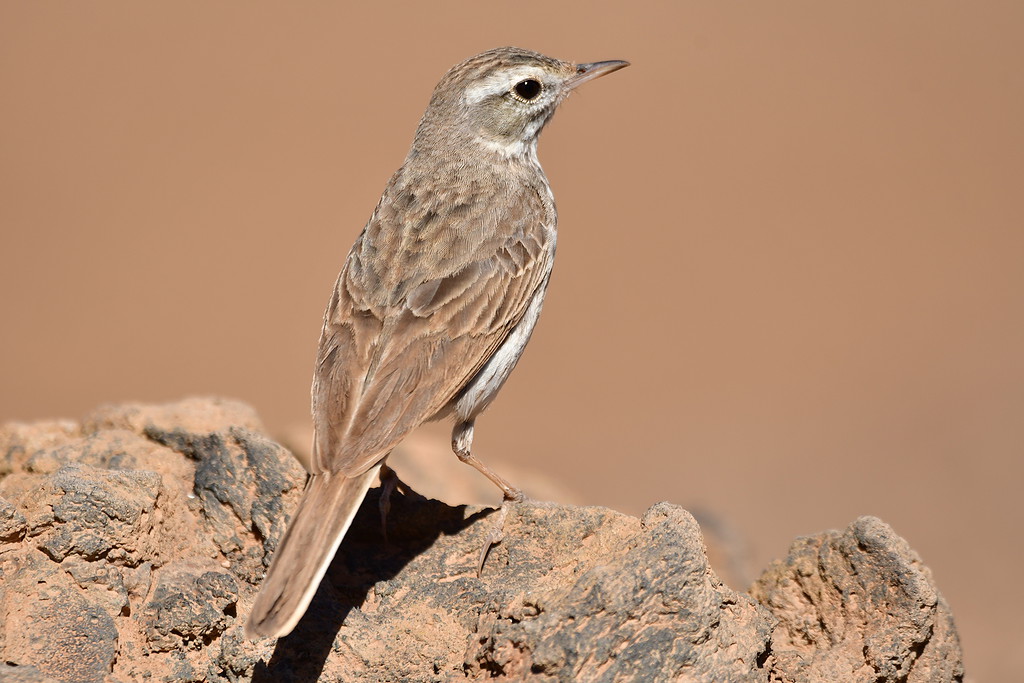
[
  {"x": 132, "y": 544},
  {"x": 858, "y": 606}
]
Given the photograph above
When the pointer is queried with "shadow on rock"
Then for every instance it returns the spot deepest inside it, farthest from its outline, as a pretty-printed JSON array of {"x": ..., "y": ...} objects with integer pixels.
[{"x": 364, "y": 560}]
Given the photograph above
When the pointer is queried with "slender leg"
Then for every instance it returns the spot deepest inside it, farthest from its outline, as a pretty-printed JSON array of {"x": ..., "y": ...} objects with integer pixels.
[
  {"x": 462, "y": 442},
  {"x": 389, "y": 481}
]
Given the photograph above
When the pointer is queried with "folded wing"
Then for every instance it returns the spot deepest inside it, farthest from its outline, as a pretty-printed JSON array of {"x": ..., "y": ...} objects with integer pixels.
[{"x": 393, "y": 353}]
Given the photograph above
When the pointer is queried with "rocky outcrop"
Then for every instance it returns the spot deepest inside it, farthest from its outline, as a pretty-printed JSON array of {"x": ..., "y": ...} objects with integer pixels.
[
  {"x": 858, "y": 605},
  {"x": 133, "y": 542}
]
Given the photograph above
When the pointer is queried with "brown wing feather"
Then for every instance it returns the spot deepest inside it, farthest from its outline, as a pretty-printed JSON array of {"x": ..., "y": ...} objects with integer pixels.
[{"x": 395, "y": 350}]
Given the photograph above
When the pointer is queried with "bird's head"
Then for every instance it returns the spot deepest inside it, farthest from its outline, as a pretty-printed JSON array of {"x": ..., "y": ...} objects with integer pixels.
[{"x": 502, "y": 98}]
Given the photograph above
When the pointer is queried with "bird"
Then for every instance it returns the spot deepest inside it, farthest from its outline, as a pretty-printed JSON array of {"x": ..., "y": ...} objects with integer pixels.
[{"x": 434, "y": 304}]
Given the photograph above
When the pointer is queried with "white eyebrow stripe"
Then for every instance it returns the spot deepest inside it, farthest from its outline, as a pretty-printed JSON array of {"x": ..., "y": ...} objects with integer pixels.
[{"x": 499, "y": 84}]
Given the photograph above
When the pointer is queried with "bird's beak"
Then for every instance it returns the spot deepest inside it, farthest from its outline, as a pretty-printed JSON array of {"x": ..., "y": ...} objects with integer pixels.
[{"x": 588, "y": 72}]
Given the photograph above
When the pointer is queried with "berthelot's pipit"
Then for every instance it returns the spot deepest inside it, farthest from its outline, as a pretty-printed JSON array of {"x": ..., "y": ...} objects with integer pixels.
[{"x": 434, "y": 304}]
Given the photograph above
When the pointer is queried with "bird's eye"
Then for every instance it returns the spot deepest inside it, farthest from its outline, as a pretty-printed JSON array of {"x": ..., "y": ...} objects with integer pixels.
[{"x": 527, "y": 90}]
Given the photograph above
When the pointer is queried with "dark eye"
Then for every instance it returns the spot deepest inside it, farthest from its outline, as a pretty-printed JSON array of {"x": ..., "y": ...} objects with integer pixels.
[{"x": 527, "y": 90}]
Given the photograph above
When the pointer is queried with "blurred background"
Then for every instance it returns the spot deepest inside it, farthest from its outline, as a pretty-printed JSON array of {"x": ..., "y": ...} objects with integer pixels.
[{"x": 790, "y": 279}]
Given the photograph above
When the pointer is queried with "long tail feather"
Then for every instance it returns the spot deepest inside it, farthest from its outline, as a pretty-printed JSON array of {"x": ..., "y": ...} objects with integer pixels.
[{"x": 328, "y": 505}]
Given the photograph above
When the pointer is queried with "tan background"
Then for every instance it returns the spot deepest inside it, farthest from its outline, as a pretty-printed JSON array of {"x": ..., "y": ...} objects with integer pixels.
[{"x": 789, "y": 287}]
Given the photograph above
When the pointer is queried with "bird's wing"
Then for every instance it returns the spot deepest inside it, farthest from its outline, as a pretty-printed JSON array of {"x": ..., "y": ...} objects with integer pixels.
[{"x": 414, "y": 316}]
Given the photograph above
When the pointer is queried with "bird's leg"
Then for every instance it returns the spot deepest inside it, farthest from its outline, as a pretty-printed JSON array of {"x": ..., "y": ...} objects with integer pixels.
[
  {"x": 389, "y": 481},
  {"x": 462, "y": 441}
]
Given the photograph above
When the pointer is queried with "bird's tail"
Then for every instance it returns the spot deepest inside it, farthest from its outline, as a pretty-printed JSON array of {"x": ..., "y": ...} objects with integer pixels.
[{"x": 328, "y": 505}]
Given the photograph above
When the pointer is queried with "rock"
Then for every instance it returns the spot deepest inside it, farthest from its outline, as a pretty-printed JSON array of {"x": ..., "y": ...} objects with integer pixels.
[
  {"x": 12, "y": 673},
  {"x": 19, "y": 441},
  {"x": 858, "y": 606},
  {"x": 101, "y": 582},
  {"x": 190, "y": 606},
  {"x": 95, "y": 513},
  {"x": 132, "y": 544},
  {"x": 191, "y": 416},
  {"x": 49, "y": 623},
  {"x": 646, "y": 606},
  {"x": 124, "y": 539},
  {"x": 13, "y": 524},
  {"x": 570, "y": 593}
]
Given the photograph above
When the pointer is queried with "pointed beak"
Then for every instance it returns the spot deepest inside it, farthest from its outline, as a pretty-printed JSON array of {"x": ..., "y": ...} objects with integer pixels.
[{"x": 588, "y": 72}]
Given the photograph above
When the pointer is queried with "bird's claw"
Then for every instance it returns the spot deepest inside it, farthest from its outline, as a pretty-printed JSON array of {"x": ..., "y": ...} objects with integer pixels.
[{"x": 497, "y": 533}]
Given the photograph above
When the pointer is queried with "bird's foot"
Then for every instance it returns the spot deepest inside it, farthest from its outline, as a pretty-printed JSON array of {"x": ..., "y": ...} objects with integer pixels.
[
  {"x": 389, "y": 481},
  {"x": 497, "y": 533}
]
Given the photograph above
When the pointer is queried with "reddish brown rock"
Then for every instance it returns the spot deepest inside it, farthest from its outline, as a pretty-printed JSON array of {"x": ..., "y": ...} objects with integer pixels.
[
  {"x": 858, "y": 606},
  {"x": 132, "y": 544}
]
